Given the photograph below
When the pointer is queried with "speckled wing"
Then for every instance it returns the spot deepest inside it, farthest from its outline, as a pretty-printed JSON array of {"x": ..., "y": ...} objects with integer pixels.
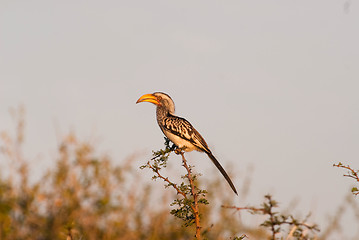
[{"x": 184, "y": 129}]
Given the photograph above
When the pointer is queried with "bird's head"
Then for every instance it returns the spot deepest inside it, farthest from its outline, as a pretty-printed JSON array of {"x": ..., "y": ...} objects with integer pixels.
[{"x": 160, "y": 100}]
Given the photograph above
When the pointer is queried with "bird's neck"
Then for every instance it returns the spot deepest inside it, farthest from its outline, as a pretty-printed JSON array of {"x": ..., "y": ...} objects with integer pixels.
[{"x": 162, "y": 113}]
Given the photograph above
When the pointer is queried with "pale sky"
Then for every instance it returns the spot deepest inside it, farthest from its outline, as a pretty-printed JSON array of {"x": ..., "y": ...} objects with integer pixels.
[{"x": 269, "y": 84}]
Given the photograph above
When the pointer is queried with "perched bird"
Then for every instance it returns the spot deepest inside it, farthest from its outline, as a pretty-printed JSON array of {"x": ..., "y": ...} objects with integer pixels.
[{"x": 179, "y": 130}]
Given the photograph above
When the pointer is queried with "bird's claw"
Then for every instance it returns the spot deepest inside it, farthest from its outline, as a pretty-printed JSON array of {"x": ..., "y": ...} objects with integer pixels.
[{"x": 178, "y": 151}]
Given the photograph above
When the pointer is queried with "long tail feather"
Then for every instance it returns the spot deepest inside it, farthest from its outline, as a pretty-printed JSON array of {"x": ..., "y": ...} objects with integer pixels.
[{"x": 220, "y": 168}]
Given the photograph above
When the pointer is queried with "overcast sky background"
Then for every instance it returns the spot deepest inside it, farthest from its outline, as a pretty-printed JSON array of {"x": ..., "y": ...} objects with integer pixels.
[{"x": 269, "y": 84}]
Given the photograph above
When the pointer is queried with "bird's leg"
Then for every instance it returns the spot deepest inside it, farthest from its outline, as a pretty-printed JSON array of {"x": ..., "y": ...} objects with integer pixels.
[
  {"x": 178, "y": 150},
  {"x": 173, "y": 147}
]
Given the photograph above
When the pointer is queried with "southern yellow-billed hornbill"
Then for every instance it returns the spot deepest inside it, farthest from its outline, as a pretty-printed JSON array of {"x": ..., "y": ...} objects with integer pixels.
[{"x": 179, "y": 130}]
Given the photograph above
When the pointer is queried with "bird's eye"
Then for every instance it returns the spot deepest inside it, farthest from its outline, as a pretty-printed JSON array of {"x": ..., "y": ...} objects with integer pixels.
[{"x": 159, "y": 98}]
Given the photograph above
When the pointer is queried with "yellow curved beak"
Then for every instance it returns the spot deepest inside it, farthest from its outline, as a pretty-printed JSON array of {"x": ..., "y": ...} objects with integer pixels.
[{"x": 148, "y": 98}]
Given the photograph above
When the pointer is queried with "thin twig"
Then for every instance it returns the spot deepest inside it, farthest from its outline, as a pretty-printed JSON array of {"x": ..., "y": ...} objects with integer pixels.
[
  {"x": 351, "y": 174},
  {"x": 195, "y": 198},
  {"x": 186, "y": 205},
  {"x": 245, "y": 208},
  {"x": 275, "y": 220},
  {"x": 352, "y": 171},
  {"x": 166, "y": 180}
]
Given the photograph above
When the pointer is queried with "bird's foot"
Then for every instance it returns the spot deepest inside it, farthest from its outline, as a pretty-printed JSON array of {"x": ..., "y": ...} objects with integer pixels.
[
  {"x": 173, "y": 147},
  {"x": 178, "y": 151}
]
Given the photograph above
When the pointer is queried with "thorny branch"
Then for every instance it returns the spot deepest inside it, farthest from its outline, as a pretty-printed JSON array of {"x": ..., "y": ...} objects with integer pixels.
[
  {"x": 156, "y": 170},
  {"x": 276, "y": 220},
  {"x": 194, "y": 193},
  {"x": 188, "y": 206},
  {"x": 351, "y": 173}
]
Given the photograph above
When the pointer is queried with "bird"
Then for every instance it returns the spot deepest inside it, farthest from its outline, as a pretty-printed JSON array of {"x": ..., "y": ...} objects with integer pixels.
[{"x": 180, "y": 131}]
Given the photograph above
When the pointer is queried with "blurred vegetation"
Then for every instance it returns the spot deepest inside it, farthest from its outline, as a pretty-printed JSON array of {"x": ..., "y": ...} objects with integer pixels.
[
  {"x": 279, "y": 223},
  {"x": 86, "y": 196}
]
